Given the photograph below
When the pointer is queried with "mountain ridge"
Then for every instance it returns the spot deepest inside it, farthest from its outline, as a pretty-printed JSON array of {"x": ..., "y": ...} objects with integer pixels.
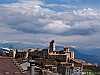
[
  {"x": 91, "y": 52},
  {"x": 88, "y": 58}
]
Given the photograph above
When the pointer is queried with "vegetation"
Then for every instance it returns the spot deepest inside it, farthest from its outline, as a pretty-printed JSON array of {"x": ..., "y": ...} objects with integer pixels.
[{"x": 43, "y": 62}]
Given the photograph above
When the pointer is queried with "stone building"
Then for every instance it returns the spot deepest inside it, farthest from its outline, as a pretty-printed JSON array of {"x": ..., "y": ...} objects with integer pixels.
[
  {"x": 61, "y": 55},
  {"x": 39, "y": 53},
  {"x": 65, "y": 68},
  {"x": 19, "y": 54}
]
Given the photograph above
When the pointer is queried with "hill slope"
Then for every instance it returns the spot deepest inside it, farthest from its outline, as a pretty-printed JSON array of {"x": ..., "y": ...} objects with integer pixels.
[
  {"x": 85, "y": 57},
  {"x": 91, "y": 52}
]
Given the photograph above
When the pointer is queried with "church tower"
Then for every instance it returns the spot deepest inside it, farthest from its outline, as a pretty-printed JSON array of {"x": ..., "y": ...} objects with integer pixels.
[{"x": 52, "y": 45}]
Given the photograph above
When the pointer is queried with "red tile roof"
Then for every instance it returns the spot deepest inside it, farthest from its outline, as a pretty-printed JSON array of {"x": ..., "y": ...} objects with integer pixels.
[
  {"x": 78, "y": 65},
  {"x": 22, "y": 51},
  {"x": 65, "y": 63},
  {"x": 8, "y": 66},
  {"x": 78, "y": 61}
]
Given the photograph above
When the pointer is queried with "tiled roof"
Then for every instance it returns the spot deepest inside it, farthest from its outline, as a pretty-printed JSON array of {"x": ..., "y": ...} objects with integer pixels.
[
  {"x": 78, "y": 61},
  {"x": 78, "y": 65},
  {"x": 8, "y": 66},
  {"x": 22, "y": 51},
  {"x": 56, "y": 51},
  {"x": 65, "y": 63},
  {"x": 90, "y": 65}
]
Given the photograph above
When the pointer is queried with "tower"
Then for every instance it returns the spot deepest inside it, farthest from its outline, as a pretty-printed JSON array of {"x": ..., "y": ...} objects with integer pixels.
[
  {"x": 52, "y": 45},
  {"x": 66, "y": 48}
]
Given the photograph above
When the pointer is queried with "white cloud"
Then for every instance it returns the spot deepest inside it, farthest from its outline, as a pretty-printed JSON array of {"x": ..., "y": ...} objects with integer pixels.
[
  {"x": 33, "y": 2},
  {"x": 57, "y": 27},
  {"x": 28, "y": 21},
  {"x": 34, "y": 19},
  {"x": 86, "y": 12},
  {"x": 60, "y": 6},
  {"x": 71, "y": 0}
]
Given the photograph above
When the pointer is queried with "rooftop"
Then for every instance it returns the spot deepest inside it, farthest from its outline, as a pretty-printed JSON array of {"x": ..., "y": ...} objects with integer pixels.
[
  {"x": 65, "y": 63},
  {"x": 78, "y": 61},
  {"x": 22, "y": 51},
  {"x": 9, "y": 66}
]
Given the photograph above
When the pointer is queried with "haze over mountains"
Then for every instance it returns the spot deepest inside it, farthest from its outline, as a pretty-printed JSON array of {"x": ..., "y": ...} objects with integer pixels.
[{"x": 25, "y": 45}]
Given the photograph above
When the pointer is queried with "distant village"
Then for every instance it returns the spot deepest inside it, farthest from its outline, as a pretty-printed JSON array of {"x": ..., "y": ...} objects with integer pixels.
[{"x": 47, "y": 62}]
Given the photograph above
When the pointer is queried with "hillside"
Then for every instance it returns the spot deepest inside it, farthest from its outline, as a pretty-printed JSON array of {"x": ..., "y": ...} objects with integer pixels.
[
  {"x": 85, "y": 57},
  {"x": 91, "y": 52}
]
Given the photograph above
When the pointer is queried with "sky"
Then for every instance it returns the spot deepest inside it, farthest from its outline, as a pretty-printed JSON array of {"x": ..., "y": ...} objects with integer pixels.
[{"x": 69, "y": 22}]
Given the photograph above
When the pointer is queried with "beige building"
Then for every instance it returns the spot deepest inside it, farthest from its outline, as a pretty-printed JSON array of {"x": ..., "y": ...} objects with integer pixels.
[
  {"x": 65, "y": 68},
  {"x": 39, "y": 53},
  {"x": 19, "y": 54},
  {"x": 62, "y": 55}
]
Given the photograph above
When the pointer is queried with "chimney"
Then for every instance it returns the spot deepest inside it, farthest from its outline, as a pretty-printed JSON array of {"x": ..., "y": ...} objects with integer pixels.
[{"x": 32, "y": 67}]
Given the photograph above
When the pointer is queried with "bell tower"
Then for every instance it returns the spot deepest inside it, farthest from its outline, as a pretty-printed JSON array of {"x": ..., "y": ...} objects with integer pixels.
[{"x": 52, "y": 45}]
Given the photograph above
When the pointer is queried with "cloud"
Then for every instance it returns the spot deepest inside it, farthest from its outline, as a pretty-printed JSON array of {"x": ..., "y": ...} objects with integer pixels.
[
  {"x": 86, "y": 12},
  {"x": 30, "y": 17},
  {"x": 60, "y": 6},
  {"x": 57, "y": 27},
  {"x": 30, "y": 21},
  {"x": 71, "y": 0},
  {"x": 35, "y": 19}
]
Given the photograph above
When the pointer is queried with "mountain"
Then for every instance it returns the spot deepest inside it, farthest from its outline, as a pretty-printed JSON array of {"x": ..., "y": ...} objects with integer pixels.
[
  {"x": 91, "y": 52},
  {"x": 85, "y": 57},
  {"x": 22, "y": 45},
  {"x": 6, "y": 45}
]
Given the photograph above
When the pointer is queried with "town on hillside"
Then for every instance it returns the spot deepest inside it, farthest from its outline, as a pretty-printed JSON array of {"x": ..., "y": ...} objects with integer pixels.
[{"x": 45, "y": 62}]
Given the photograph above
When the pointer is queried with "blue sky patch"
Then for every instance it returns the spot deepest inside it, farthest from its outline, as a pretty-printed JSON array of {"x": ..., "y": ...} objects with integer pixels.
[
  {"x": 80, "y": 4},
  {"x": 7, "y": 1}
]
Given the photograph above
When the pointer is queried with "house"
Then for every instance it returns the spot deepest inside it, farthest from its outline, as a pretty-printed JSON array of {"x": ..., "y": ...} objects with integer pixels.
[{"x": 65, "y": 68}]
